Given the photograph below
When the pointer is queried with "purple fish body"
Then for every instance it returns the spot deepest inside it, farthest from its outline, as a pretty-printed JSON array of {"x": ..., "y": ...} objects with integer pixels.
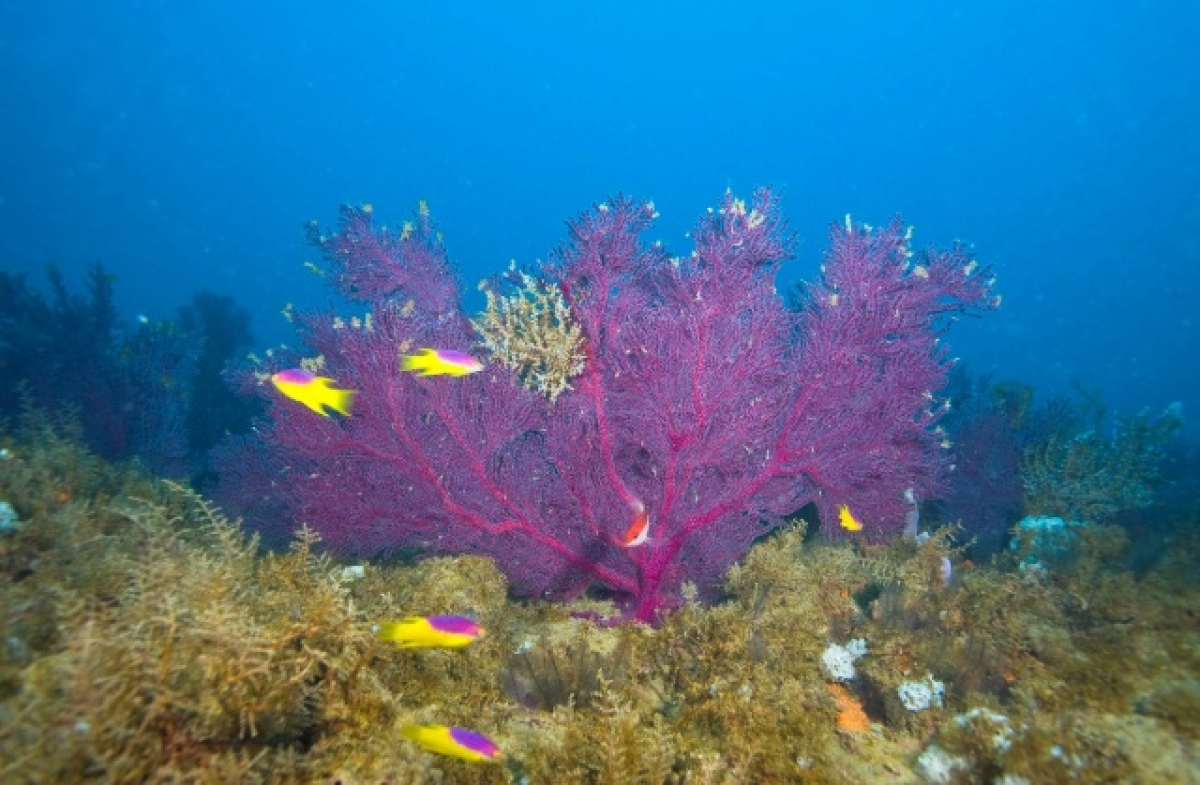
[
  {"x": 455, "y": 625},
  {"x": 457, "y": 357},
  {"x": 476, "y": 742},
  {"x": 295, "y": 376}
]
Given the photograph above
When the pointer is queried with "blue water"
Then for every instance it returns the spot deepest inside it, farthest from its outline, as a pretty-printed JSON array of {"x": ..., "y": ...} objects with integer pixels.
[{"x": 182, "y": 145}]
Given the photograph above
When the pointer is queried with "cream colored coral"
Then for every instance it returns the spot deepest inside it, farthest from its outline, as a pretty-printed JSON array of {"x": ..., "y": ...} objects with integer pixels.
[{"x": 533, "y": 332}]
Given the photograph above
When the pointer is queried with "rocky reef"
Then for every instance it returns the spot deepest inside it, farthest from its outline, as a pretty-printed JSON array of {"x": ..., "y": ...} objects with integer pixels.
[{"x": 146, "y": 637}]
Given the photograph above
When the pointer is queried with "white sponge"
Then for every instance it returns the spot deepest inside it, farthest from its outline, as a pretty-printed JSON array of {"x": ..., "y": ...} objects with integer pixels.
[
  {"x": 838, "y": 661},
  {"x": 920, "y": 695}
]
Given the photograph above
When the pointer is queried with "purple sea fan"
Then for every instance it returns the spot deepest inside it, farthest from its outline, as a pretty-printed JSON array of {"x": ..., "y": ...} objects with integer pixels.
[
  {"x": 984, "y": 492},
  {"x": 871, "y": 363},
  {"x": 705, "y": 405}
]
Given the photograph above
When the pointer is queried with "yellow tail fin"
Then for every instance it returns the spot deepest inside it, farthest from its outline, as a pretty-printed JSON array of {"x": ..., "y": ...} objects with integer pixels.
[
  {"x": 396, "y": 630},
  {"x": 340, "y": 401},
  {"x": 417, "y": 362}
]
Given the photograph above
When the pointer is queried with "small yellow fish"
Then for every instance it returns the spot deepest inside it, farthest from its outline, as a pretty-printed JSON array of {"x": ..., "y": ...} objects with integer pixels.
[
  {"x": 429, "y": 632},
  {"x": 848, "y": 521},
  {"x": 315, "y": 392},
  {"x": 440, "y": 362},
  {"x": 453, "y": 741}
]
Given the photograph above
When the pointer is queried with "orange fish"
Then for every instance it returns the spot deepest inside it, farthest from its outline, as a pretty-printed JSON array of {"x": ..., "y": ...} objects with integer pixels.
[{"x": 639, "y": 531}]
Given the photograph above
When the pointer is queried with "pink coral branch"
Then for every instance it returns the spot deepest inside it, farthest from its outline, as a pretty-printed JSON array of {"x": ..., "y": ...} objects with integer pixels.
[{"x": 703, "y": 401}]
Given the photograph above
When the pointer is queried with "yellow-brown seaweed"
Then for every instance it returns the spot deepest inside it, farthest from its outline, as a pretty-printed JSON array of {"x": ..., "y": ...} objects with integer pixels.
[{"x": 146, "y": 638}]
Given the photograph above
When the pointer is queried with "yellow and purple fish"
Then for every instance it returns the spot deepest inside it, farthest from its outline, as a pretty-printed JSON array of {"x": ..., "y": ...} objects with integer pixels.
[
  {"x": 440, "y": 362},
  {"x": 428, "y": 632},
  {"x": 453, "y": 741},
  {"x": 315, "y": 392},
  {"x": 847, "y": 519}
]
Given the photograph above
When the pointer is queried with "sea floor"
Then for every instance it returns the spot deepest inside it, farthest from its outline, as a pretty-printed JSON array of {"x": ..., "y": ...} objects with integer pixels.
[{"x": 146, "y": 638}]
